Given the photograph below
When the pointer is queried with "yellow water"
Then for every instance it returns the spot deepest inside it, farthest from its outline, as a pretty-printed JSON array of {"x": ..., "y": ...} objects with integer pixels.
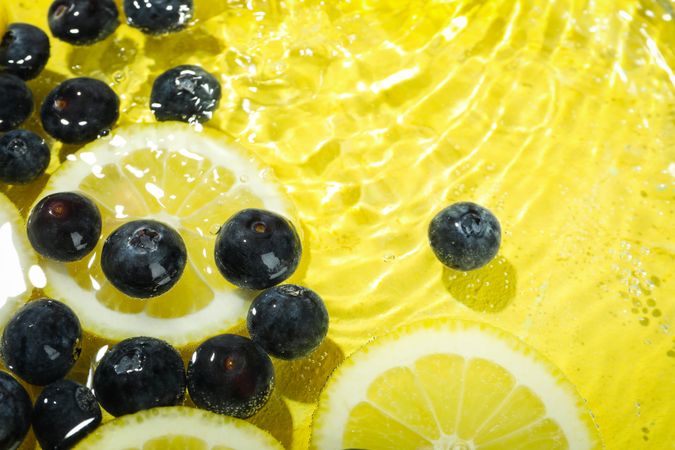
[{"x": 557, "y": 115}]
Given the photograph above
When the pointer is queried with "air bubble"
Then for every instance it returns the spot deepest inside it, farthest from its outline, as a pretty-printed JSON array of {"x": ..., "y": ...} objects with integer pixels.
[
  {"x": 388, "y": 257},
  {"x": 214, "y": 229},
  {"x": 644, "y": 321}
]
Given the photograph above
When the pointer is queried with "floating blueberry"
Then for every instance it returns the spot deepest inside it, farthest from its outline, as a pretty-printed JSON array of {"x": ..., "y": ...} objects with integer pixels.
[
  {"x": 24, "y": 50},
  {"x": 231, "y": 375},
  {"x": 24, "y": 156},
  {"x": 83, "y": 22},
  {"x": 79, "y": 110},
  {"x": 186, "y": 94},
  {"x": 158, "y": 16},
  {"x": 465, "y": 236},
  {"x": 65, "y": 412},
  {"x": 143, "y": 258},
  {"x": 288, "y": 321},
  {"x": 139, "y": 373},
  {"x": 257, "y": 249},
  {"x": 16, "y": 101},
  {"x": 42, "y": 342},
  {"x": 64, "y": 226},
  {"x": 15, "y": 412}
]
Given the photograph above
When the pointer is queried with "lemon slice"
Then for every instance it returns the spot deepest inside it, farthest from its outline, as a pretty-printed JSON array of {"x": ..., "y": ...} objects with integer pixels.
[
  {"x": 178, "y": 428},
  {"x": 191, "y": 180},
  {"x": 18, "y": 261},
  {"x": 447, "y": 384}
]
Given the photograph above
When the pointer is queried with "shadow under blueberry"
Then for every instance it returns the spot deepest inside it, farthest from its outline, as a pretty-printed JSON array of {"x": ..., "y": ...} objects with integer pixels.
[
  {"x": 488, "y": 289},
  {"x": 276, "y": 419},
  {"x": 303, "y": 379}
]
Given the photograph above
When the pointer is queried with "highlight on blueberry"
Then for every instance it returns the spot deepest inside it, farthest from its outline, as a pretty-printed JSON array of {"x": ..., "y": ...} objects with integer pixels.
[
  {"x": 15, "y": 411},
  {"x": 288, "y": 321},
  {"x": 158, "y": 16},
  {"x": 16, "y": 101},
  {"x": 24, "y": 50},
  {"x": 82, "y": 22},
  {"x": 143, "y": 258},
  {"x": 42, "y": 341},
  {"x": 185, "y": 94},
  {"x": 139, "y": 373},
  {"x": 80, "y": 110},
  {"x": 465, "y": 236},
  {"x": 64, "y": 226},
  {"x": 230, "y": 374},
  {"x": 257, "y": 249},
  {"x": 65, "y": 412},
  {"x": 24, "y": 157}
]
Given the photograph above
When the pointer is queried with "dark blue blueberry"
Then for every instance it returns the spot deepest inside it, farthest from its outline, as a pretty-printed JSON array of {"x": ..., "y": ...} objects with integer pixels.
[
  {"x": 186, "y": 94},
  {"x": 288, "y": 321},
  {"x": 82, "y": 22},
  {"x": 465, "y": 236},
  {"x": 231, "y": 375},
  {"x": 139, "y": 373},
  {"x": 64, "y": 226},
  {"x": 16, "y": 101},
  {"x": 143, "y": 258},
  {"x": 42, "y": 342},
  {"x": 158, "y": 16},
  {"x": 65, "y": 412},
  {"x": 257, "y": 249},
  {"x": 24, "y": 50},
  {"x": 80, "y": 110},
  {"x": 15, "y": 412},
  {"x": 24, "y": 156}
]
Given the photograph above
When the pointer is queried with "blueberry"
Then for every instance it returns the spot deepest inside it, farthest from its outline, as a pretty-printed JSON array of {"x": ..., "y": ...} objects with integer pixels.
[
  {"x": 143, "y": 258},
  {"x": 24, "y": 156},
  {"x": 15, "y": 412},
  {"x": 257, "y": 249},
  {"x": 65, "y": 412},
  {"x": 24, "y": 50},
  {"x": 16, "y": 101},
  {"x": 465, "y": 236},
  {"x": 82, "y": 22},
  {"x": 139, "y": 373},
  {"x": 288, "y": 321},
  {"x": 158, "y": 16},
  {"x": 64, "y": 226},
  {"x": 186, "y": 94},
  {"x": 42, "y": 342},
  {"x": 80, "y": 110},
  {"x": 231, "y": 375}
]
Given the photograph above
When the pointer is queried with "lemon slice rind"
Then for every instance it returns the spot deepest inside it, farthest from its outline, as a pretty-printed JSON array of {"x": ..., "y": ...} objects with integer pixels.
[
  {"x": 228, "y": 307},
  {"x": 349, "y": 383},
  {"x": 214, "y": 430}
]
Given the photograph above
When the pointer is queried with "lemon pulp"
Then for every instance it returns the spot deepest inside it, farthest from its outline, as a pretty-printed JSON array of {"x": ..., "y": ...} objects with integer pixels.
[{"x": 376, "y": 114}]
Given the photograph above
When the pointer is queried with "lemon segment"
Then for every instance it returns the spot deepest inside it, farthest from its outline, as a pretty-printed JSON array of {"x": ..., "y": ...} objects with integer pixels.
[
  {"x": 178, "y": 428},
  {"x": 448, "y": 384},
  {"x": 18, "y": 261},
  {"x": 191, "y": 180}
]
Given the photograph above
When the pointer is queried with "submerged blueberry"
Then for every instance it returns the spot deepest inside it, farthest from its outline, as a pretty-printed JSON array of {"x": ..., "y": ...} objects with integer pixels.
[
  {"x": 24, "y": 156},
  {"x": 24, "y": 50},
  {"x": 79, "y": 110},
  {"x": 82, "y": 22},
  {"x": 64, "y": 226},
  {"x": 257, "y": 249},
  {"x": 16, "y": 101},
  {"x": 42, "y": 341},
  {"x": 65, "y": 412},
  {"x": 15, "y": 412},
  {"x": 288, "y": 321},
  {"x": 158, "y": 16},
  {"x": 186, "y": 94},
  {"x": 143, "y": 258},
  {"x": 465, "y": 236},
  {"x": 231, "y": 375},
  {"x": 139, "y": 373}
]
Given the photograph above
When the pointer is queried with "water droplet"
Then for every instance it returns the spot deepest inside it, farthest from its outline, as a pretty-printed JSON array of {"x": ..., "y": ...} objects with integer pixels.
[
  {"x": 118, "y": 77},
  {"x": 644, "y": 321},
  {"x": 214, "y": 229},
  {"x": 671, "y": 353},
  {"x": 656, "y": 313}
]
